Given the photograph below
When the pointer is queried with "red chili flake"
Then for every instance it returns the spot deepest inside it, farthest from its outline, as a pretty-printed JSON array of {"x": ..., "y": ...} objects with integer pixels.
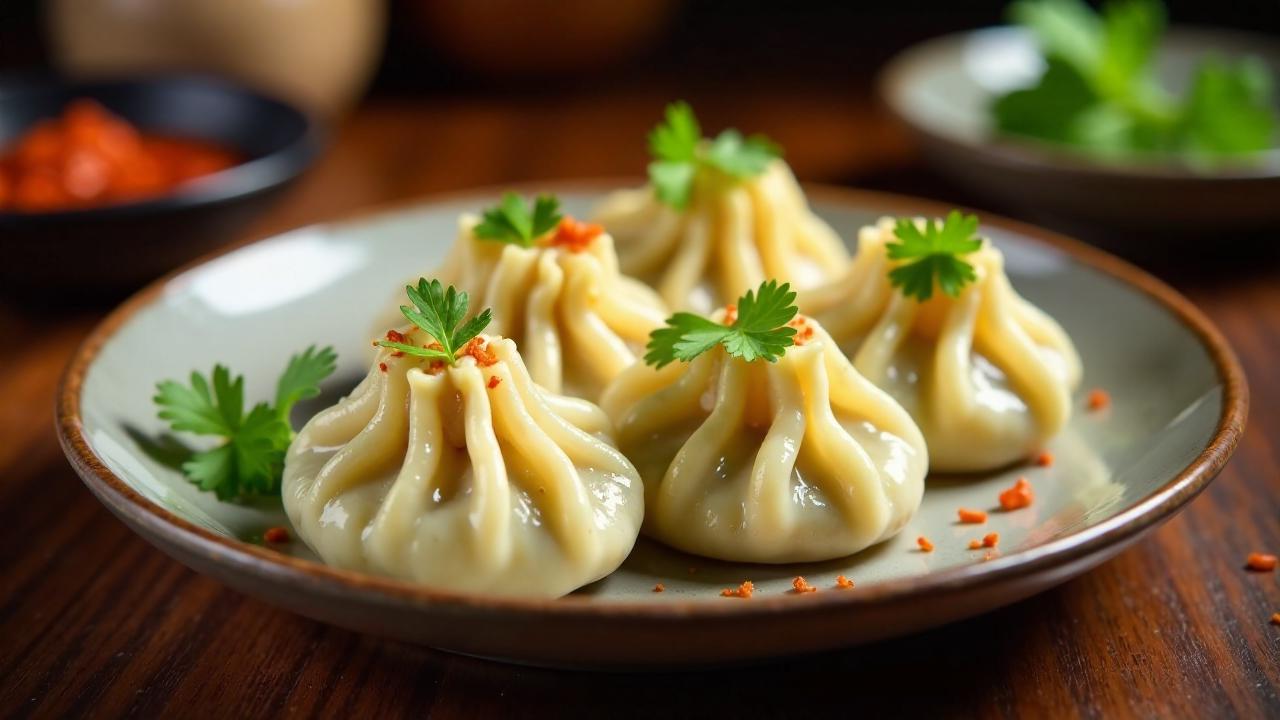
[
  {"x": 382, "y": 366},
  {"x": 1260, "y": 562},
  {"x": 843, "y": 582},
  {"x": 1045, "y": 459},
  {"x": 396, "y": 336},
  {"x": 1275, "y": 618},
  {"x": 1019, "y": 496},
  {"x": 802, "y": 586},
  {"x": 730, "y": 314},
  {"x": 659, "y": 587},
  {"x": 971, "y": 517},
  {"x": 481, "y": 351},
  {"x": 990, "y": 540},
  {"x": 742, "y": 591},
  {"x": 574, "y": 235},
  {"x": 975, "y": 544},
  {"x": 804, "y": 331},
  {"x": 1099, "y": 399},
  {"x": 493, "y": 381},
  {"x": 925, "y": 545},
  {"x": 276, "y": 535}
]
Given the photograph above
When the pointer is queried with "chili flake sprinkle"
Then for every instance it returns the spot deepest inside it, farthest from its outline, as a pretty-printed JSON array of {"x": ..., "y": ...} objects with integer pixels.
[
  {"x": 1045, "y": 459},
  {"x": 1019, "y": 496},
  {"x": 742, "y": 591},
  {"x": 382, "y": 366},
  {"x": 1260, "y": 562},
  {"x": 804, "y": 331},
  {"x": 397, "y": 336},
  {"x": 971, "y": 517},
  {"x": 730, "y": 314},
  {"x": 802, "y": 586},
  {"x": 990, "y": 540},
  {"x": 925, "y": 545},
  {"x": 975, "y": 544},
  {"x": 481, "y": 351},
  {"x": 574, "y": 235},
  {"x": 1098, "y": 400},
  {"x": 843, "y": 582},
  {"x": 659, "y": 587},
  {"x": 276, "y": 535},
  {"x": 493, "y": 381}
]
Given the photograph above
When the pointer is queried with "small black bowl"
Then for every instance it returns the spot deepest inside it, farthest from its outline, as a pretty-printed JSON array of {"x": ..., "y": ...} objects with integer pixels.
[{"x": 105, "y": 251}]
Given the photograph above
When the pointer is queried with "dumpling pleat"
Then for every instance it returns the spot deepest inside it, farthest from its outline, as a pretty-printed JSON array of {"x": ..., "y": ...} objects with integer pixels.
[
  {"x": 541, "y": 347},
  {"x": 489, "y": 513},
  {"x": 738, "y": 259},
  {"x": 686, "y": 266}
]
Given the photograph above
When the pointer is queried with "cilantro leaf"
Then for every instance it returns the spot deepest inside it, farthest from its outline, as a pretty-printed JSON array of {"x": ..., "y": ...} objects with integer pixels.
[
  {"x": 512, "y": 222},
  {"x": 679, "y": 154},
  {"x": 439, "y": 313},
  {"x": 1229, "y": 108},
  {"x": 760, "y": 330},
  {"x": 934, "y": 255},
  {"x": 250, "y": 459}
]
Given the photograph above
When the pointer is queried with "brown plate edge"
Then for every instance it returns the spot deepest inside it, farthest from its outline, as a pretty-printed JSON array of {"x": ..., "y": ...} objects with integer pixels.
[{"x": 259, "y": 561}]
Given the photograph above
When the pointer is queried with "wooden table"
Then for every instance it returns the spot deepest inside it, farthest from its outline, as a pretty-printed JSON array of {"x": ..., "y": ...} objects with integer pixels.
[{"x": 92, "y": 619}]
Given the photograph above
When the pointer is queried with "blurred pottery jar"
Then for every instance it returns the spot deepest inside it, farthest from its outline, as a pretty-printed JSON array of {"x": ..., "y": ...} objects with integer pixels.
[{"x": 318, "y": 54}]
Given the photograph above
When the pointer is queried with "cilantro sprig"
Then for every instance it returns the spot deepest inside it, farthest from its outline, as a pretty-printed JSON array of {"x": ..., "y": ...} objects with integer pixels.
[
  {"x": 679, "y": 153},
  {"x": 934, "y": 255},
  {"x": 1099, "y": 92},
  {"x": 511, "y": 221},
  {"x": 759, "y": 331},
  {"x": 439, "y": 313},
  {"x": 250, "y": 459}
]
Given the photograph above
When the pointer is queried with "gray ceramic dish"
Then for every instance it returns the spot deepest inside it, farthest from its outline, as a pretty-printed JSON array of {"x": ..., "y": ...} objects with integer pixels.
[
  {"x": 942, "y": 90},
  {"x": 1179, "y": 407}
]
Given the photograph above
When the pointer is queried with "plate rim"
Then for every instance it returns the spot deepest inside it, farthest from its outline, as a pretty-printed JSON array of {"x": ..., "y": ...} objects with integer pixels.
[{"x": 269, "y": 565}]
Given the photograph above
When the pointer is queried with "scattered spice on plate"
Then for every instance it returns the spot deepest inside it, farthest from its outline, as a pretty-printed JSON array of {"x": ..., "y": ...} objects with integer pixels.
[
  {"x": 659, "y": 587},
  {"x": 742, "y": 591},
  {"x": 1019, "y": 496},
  {"x": 1260, "y": 562},
  {"x": 1098, "y": 399},
  {"x": 971, "y": 517},
  {"x": 802, "y": 586},
  {"x": 1044, "y": 459},
  {"x": 276, "y": 535},
  {"x": 843, "y": 582},
  {"x": 990, "y": 540},
  {"x": 493, "y": 381},
  {"x": 975, "y": 544},
  {"x": 925, "y": 545}
]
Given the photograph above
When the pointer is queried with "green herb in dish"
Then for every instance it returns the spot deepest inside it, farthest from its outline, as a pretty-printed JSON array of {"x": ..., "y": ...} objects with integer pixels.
[
  {"x": 512, "y": 222},
  {"x": 679, "y": 153},
  {"x": 439, "y": 313},
  {"x": 1099, "y": 93},
  {"x": 251, "y": 458},
  {"x": 760, "y": 329},
  {"x": 934, "y": 255}
]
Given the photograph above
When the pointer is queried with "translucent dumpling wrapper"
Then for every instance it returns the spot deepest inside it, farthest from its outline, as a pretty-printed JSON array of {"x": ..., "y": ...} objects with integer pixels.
[
  {"x": 577, "y": 320},
  {"x": 986, "y": 375},
  {"x": 798, "y": 460},
  {"x": 468, "y": 478},
  {"x": 732, "y": 236}
]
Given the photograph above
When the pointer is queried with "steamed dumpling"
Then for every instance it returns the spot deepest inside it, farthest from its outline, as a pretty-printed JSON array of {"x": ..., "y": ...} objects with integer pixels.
[
  {"x": 577, "y": 320},
  {"x": 987, "y": 375},
  {"x": 467, "y": 477},
  {"x": 798, "y": 460},
  {"x": 733, "y": 235}
]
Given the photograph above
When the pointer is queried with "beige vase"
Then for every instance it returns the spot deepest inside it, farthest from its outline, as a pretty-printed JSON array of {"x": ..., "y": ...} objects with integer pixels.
[{"x": 318, "y": 54}]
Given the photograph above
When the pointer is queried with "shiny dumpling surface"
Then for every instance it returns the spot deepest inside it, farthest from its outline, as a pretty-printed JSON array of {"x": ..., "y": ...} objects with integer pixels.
[
  {"x": 798, "y": 460},
  {"x": 731, "y": 237},
  {"x": 986, "y": 375},
  {"x": 468, "y": 478},
  {"x": 577, "y": 320}
]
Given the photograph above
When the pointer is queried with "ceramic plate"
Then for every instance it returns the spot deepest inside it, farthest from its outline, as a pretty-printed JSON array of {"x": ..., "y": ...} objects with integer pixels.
[
  {"x": 1179, "y": 407},
  {"x": 943, "y": 88}
]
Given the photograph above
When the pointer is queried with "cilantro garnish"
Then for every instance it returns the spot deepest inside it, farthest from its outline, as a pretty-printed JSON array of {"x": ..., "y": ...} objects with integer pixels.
[
  {"x": 679, "y": 152},
  {"x": 934, "y": 255},
  {"x": 512, "y": 222},
  {"x": 759, "y": 331},
  {"x": 439, "y": 312},
  {"x": 1099, "y": 93},
  {"x": 251, "y": 458}
]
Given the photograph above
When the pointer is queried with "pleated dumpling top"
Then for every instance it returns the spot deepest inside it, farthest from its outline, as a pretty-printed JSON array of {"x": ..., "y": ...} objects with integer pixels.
[
  {"x": 709, "y": 228},
  {"x": 464, "y": 476},
  {"x": 986, "y": 374},
  {"x": 801, "y": 459}
]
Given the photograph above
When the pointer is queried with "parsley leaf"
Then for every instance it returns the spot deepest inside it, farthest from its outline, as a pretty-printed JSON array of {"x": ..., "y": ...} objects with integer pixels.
[
  {"x": 760, "y": 330},
  {"x": 1099, "y": 93},
  {"x": 439, "y": 312},
  {"x": 679, "y": 153},
  {"x": 512, "y": 222},
  {"x": 251, "y": 458},
  {"x": 934, "y": 255}
]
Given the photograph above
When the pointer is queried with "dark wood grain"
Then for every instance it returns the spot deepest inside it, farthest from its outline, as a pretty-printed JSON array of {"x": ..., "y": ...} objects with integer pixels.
[{"x": 95, "y": 621}]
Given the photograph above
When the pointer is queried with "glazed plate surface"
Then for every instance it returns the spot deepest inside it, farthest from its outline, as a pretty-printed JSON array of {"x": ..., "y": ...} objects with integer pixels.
[{"x": 1179, "y": 402}]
